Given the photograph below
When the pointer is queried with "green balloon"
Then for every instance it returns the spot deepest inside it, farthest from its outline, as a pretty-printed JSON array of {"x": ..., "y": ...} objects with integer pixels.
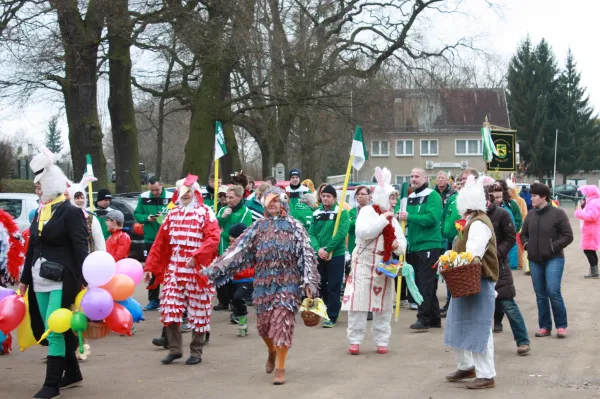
[{"x": 79, "y": 322}]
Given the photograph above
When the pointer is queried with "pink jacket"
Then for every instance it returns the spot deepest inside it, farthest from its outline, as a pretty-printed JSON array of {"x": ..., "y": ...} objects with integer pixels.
[{"x": 590, "y": 231}]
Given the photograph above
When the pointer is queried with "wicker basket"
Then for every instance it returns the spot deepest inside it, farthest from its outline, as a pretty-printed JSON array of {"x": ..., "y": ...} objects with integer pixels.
[
  {"x": 463, "y": 280},
  {"x": 310, "y": 319},
  {"x": 96, "y": 331}
]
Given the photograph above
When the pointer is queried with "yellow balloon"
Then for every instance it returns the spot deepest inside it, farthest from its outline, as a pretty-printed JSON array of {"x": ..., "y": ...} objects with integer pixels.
[
  {"x": 24, "y": 332},
  {"x": 60, "y": 320},
  {"x": 78, "y": 299}
]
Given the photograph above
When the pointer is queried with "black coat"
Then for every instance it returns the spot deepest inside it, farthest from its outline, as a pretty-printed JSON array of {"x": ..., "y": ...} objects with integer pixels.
[
  {"x": 546, "y": 233},
  {"x": 64, "y": 240},
  {"x": 506, "y": 237}
]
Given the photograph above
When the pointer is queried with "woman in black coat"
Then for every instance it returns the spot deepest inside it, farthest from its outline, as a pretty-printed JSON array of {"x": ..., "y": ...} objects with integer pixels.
[
  {"x": 506, "y": 236},
  {"x": 58, "y": 234}
]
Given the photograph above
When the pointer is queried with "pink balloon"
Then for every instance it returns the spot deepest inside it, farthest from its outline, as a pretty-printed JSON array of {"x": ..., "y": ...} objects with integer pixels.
[
  {"x": 98, "y": 268},
  {"x": 12, "y": 313},
  {"x": 97, "y": 303},
  {"x": 132, "y": 268}
]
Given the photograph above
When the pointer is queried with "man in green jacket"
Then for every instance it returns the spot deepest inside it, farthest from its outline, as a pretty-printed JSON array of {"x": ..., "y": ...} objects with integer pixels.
[
  {"x": 331, "y": 250},
  {"x": 235, "y": 212},
  {"x": 423, "y": 217},
  {"x": 303, "y": 212},
  {"x": 151, "y": 206},
  {"x": 209, "y": 195}
]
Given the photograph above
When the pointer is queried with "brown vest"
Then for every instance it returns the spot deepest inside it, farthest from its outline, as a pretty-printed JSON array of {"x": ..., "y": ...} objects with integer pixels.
[{"x": 489, "y": 262}]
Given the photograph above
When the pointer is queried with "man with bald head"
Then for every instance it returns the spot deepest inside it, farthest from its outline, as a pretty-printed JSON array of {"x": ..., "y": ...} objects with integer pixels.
[{"x": 423, "y": 217}]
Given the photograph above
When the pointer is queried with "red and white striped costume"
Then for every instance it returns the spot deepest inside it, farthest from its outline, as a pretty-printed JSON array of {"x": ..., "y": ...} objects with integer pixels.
[{"x": 187, "y": 231}]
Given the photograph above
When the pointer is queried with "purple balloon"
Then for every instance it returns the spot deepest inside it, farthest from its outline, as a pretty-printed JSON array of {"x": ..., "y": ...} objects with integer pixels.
[
  {"x": 132, "y": 268},
  {"x": 97, "y": 303},
  {"x": 98, "y": 268},
  {"x": 4, "y": 292}
]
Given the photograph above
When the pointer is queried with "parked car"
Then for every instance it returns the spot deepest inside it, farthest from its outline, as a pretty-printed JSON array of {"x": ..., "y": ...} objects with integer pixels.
[
  {"x": 567, "y": 191},
  {"x": 19, "y": 206}
]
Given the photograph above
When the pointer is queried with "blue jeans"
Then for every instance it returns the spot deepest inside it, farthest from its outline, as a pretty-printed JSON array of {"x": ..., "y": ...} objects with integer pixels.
[
  {"x": 546, "y": 279},
  {"x": 515, "y": 318}
]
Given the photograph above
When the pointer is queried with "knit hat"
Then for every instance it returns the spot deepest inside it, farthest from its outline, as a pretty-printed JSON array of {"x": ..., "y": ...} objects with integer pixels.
[
  {"x": 237, "y": 229},
  {"x": 541, "y": 190},
  {"x": 116, "y": 215},
  {"x": 294, "y": 172},
  {"x": 328, "y": 189},
  {"x": 104, "y": 194}
]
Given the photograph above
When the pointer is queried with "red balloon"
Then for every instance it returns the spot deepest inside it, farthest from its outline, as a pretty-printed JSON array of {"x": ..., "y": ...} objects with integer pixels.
[
  {"x": 120, "y": 287},
  {"x": 119, "y": 320},
  {"x": 12, "y": 313},
  {"x": 138, "y": 229}
]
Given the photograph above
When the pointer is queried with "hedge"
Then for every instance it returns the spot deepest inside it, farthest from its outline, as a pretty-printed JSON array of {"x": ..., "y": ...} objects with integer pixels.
[{"x": 27, "y": 186}]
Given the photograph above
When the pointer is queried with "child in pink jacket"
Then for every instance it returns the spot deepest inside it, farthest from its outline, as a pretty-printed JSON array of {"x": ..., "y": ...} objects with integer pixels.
[{"x": 588, "y": 211}]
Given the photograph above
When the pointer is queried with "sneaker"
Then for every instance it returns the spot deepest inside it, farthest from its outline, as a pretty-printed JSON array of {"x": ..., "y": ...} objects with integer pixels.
[
  {"x": 234, "y": 319},
  {"x": 328, "y": 324},
  {"x": 414, "y": 306},
  {"x": 382, "y": 350},
  {"x": 419, "y": 326},
  {"x": 561, "y": 333},
  {"x": 152, "y": 305},
  {"x": 354, "y": 349},
  {"x": 404, "y": 303},
  {"x": 243, "y": 326},
  {"x": 542, "y": 332}
]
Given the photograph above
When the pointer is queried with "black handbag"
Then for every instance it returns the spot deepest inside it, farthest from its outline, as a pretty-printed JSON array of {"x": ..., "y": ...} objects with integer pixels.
[{"x": 52, "y": 271}]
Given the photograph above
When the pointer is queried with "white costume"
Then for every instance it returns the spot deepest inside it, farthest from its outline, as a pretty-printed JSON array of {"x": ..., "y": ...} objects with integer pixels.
[{"x": 96, "y": 238}]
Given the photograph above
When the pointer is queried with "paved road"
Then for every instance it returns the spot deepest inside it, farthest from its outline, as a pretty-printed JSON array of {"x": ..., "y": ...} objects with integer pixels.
[{"x": 319, "y": 366}]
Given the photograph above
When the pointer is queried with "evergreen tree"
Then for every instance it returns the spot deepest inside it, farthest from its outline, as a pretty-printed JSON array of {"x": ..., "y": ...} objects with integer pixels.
[{"x": 53, "y": 139}]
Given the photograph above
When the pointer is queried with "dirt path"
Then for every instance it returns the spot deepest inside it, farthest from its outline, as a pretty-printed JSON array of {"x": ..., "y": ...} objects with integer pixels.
[{"x": 319, "y": 366}]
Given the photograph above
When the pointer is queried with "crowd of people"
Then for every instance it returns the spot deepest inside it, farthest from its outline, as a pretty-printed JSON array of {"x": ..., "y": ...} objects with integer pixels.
[{"x": 270, "y": 247}]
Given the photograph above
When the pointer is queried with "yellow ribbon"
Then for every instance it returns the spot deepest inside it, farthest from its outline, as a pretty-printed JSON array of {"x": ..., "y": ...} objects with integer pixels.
[{"x": 46, "y": 212}]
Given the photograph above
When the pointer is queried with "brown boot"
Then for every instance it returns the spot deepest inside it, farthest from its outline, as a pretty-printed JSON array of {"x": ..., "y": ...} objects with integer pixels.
[
  {"x": 460, "y": 375},
  {"x": 271, "y": 362},
  {"x": 481, "y": 383},
  {"x": 279, "y": 377},
  {"x": 522, "y": 350}
]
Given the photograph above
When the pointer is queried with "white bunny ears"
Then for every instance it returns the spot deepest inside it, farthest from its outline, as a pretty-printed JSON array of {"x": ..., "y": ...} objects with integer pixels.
[
  {"x": 472, "y": 196},
  {"x": 384, "y": 189}
]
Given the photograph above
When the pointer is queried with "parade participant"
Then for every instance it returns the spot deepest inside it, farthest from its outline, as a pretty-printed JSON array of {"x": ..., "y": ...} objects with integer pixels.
[
  {"x": 103, "y": 201},
  {"x": 588, "y": 211},
  {"x": 253, "y": 203},
  {"x": 526, "y": 195},
  {"x": 242, "y": 287},
  {"x": 119, "y": 242},
  {"x": 423, "y": 217},
  {"x": 222, "y": 197},
  {"x": 235, "y": 212},
  {"x": 378, "y": 235},
  {"x": 185, "y": 244},
  {"x": 304, "y": 210},
  {"x": 321, "y": 187},
  {"x": 240, "y": 179},
  {"x": 331, "y": 250},
  {"x": 151, "y": 205},
  {"x": 546, "y": 233},
  {"x": 250, "y": 186},
  {"x": 443, "y": 188},
  {"x": 270, "y": 180},
  {"x": 362, "y": 196},
  {"x": 209, "y": 195},
  {"x": 309, "y": 184},
  {"x": 58, "y": 245},
  {"x": 285, "y": 271},
  {"x": 295, "y": 190},
  {"x": 78, "y": 198},
  {"x": 522, "y": 205},
  {"x": 468, "y": 324}
]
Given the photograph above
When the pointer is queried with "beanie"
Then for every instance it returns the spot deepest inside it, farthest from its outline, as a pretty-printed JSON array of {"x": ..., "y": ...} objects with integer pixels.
[
  {"x": 294, "y": 172},
  {"x": 104, "y": 194},
  {"x": 236, "y": 230},
  {"x": 541, "y": 190},
  {"x": 329, "y": 190}
]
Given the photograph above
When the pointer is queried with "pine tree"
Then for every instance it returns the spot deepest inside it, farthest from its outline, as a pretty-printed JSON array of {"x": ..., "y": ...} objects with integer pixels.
[{"x": 53, "y": 139}]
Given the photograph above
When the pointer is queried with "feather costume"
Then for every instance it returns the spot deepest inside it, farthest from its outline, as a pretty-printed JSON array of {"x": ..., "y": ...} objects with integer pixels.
[
  {"x": 285, "y": 264},
  {"x": 12, "y": 252}
]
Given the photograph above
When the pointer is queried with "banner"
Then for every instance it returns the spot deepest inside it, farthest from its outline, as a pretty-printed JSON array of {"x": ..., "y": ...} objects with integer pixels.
[{"x": 505, "y": 159}]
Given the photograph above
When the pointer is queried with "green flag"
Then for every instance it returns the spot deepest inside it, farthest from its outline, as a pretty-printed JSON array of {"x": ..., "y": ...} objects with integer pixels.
[
  {"x": 359, "y": 150},
  {"x": 220, "y": 148},
  {"x": 489, "y": 149}
]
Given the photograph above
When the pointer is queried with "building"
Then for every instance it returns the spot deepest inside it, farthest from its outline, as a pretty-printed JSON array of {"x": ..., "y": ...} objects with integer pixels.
[{"x": 437, "y": 130}]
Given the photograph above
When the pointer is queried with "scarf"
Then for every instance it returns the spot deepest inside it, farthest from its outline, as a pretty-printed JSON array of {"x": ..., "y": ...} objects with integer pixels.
[
  {"x": 46, "y": 211},
  {"x": 389, "y": 235}
]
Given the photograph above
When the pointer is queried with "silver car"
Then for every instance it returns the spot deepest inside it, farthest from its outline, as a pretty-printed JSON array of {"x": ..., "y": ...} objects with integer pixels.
[{"x": 19, "y": 206}]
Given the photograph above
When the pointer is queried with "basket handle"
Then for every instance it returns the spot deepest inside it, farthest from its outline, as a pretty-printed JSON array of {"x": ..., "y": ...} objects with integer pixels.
[{"x": 308, "y": 296}]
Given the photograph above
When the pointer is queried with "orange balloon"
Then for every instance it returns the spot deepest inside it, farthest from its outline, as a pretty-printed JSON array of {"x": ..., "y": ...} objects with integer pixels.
[{"x": 120, "y": 287}]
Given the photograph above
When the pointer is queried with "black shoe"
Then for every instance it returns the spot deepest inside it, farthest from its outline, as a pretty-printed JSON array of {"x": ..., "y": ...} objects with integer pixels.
[
  {"x": 70, "y": 382},
  {"x": 170, "y": 358},
  {"x": 436, "y": 325},
  {"x": 419, "y": 326},
  {"x": 54, "y": 372},
  {"x": 498, "y": 327},
  {"x": 370, "y": 316},
  {"x": 192, "y": 360},
  {"x": 47, "y": 393},
  {"x": 162, "y": 341},
  {"x": 221, "y": 307}
]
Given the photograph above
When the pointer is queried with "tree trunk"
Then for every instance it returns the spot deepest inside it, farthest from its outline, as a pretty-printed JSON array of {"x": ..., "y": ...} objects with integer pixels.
[{"x": 120, "y": 100}]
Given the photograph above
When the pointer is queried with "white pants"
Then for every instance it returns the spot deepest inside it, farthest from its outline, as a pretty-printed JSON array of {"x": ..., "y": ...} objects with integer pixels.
[
  {"x": 381, "y": 330},
  {"x": 483, "y": 362}
]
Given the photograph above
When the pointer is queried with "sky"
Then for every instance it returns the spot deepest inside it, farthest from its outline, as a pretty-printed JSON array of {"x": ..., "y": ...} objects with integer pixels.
[{"x": 563, "y": 24}]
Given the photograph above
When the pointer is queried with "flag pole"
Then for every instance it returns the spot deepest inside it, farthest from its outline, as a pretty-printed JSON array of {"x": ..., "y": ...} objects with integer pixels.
[
  {"x": 216, "y": 189},
  {"x": 346, "y": 180},
  {"x": 89, "y": 170},
  {"x": 403, "y": 204}
]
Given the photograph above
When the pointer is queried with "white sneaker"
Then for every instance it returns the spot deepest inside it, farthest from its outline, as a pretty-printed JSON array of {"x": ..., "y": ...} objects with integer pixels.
[
  {"x": 404, "y": 303},
  {"x": 414, "y": 306}
]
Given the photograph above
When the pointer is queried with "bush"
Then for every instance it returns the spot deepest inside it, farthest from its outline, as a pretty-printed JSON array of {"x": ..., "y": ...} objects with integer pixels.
[{"x": 17, "y": 186}]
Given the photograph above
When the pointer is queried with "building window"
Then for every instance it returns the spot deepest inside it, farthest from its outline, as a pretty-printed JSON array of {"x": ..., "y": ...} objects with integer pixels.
[
  {"x": 380, "y": 148},
  {"x": 469, "y": 147},
  {"x": 404, "y": 148},
  {"x": 429, "y": 147},
  {"x": 402, "y": 179}
]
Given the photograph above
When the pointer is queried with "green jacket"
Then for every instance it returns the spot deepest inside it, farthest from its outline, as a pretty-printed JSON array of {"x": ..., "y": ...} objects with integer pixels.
[
  {"x": 449, "y": 217},
  {"x": 101, "y": 215},
  {"x": 209, "y": 197},
  {"x": 514, "y": 207},
  {"x": 255, "y": 207},
  {"x": 240, "y": 214},
  {"x": 424, "y": 220},
  {"x": 150, "y": 205},
  {"x": 295, "y": 194},
  {"x": 352, "y": 216},
  {"x": 304, "y": 214},
  {"x": 321, "y": 230}
]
